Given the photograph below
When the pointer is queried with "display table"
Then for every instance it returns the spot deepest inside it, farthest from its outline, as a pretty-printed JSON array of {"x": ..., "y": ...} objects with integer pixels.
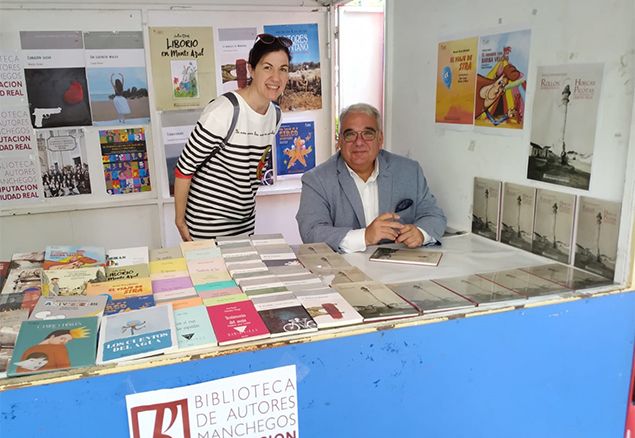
[{"x": 559, "y": 367}]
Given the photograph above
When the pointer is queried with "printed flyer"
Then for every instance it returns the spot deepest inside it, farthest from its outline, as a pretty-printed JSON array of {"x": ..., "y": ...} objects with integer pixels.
[
  {"x": 125, "y": 160},
  {"x": 295, "y": 148}
]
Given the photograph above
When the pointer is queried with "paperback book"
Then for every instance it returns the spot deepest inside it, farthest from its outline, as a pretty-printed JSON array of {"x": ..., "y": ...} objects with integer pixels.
[
  {"x": 165, "y": 253},
  {"x": 328, "y": 308},
  {"x": 50, "y": 345},
  {"x": 23, "y": 260},
  {"x": 569, "y": 277},
  {"x": 479, "y": 290},
  {"x": 167, "y": 266},
  {"x": 128, "y": 304},
  {"x": 347, "y": 274},
  {"x": 73, "y": 257},
  {"x": 409, "y": 256},
  {"x": 136, "y": 334},
  {"x": 486, "y": 208},
  {"x": 114, "y": 273},
  {"x": 121, "y": 289},
  {"x": 237, "y": 322},
  {"x": 21, "y": 280},
  {"x": 197, "y": 245},
  {"x": 314, "y": 249},
  {"x": 375, "y": 302},
  {"x": 9, "y": 327},
  {"x": 284, "y": 315},
  {"x": 193, "y": 328},
  {"x": 553, "y": 227},
  {"x": 320, "y": 262},
  {"x": 517, "y": 222},
  {"x": 267, "y": 239},
  {"x": 524, "y": 283},
  {"x": 23, "y": 300},
  {"x": 60, "y": 307},
  {"x": 66, "y": 282},
  {"x": 127, "y": 256},
  {"x": 429, "y": 297}
]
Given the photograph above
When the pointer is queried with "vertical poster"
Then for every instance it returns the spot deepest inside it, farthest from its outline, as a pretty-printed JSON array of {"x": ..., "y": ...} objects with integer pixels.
[
  {"x": 55, "y": 75},
  {"x": 304, "y": 89},
  {"x": 503, "y": 61},
  {"x": 174, "y": 140},
  {"x": 125, "y": 160},
  {"x": 118, "y": 85},
  {"x": 456, "y": 73},
  {"x": 12, "y": 90},
  {"x": 63, "y": 162},
  {"x": 295, "y": 148},
  {"x": 563, "y": 124},
  {"x": 232, "y": 53},
  {"x": 182, "y": 67}
]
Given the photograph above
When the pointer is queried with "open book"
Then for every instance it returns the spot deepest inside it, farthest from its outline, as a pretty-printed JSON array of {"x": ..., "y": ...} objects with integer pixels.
[{"x": 403, "y": 255}]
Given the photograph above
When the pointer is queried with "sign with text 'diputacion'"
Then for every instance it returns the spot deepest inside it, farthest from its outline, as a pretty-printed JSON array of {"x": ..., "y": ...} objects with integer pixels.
[{"x": 263, "y": 404}]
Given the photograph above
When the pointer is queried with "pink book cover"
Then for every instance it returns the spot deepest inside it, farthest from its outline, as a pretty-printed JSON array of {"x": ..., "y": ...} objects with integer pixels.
[
  {"x": 168, "y": 284},
  {"x": 236, "y": 322}
]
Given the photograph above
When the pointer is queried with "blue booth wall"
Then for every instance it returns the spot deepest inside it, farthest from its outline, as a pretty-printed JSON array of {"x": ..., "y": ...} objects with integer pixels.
[{"x": 558, "y": 370}]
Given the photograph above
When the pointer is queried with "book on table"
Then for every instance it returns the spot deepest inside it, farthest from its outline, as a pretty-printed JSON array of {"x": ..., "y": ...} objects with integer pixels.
[
  {"x": 479, "y": 290},
  {"x": 59, "y": 307},
  {"x": 567, "y": 276},
  {"x": 429, "y": 297},
  {"x": 327, "y": 307},
  {"x": 525, "y": 283},
  {"x": 408, "y": 256},
  {"x": 374, "y": 301},
  {"x": 237, "y": 322},
  {"x": 283, "y": 314}
]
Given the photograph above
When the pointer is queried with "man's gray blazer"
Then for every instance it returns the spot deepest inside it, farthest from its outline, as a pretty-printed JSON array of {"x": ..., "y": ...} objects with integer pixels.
[{"x": 330, "y": 205}]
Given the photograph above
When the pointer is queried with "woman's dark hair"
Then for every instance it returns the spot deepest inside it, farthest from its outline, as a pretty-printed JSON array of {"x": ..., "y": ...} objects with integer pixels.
[
  {"x": 260, "y": 49},
  {"x": 58, "y": 333}
]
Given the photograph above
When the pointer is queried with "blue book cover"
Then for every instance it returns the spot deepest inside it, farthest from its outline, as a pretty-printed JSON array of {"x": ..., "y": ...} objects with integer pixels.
[
  {"x": 193, "y": 328},
  {"x": 295, "y": 148},
  {"x": 128, "y": 304},
  {"x": 136, "y": 334}
]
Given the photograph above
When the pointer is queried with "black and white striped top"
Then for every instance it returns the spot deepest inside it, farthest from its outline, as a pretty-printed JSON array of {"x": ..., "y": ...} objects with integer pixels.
[{"x": 221, "y": 200}]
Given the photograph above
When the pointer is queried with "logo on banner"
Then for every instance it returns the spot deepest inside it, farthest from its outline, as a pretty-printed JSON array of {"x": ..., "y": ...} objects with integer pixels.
[{"x": 161, "y": 420}]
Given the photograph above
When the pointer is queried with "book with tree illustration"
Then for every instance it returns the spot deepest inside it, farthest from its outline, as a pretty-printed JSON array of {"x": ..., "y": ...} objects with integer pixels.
[
  {"x": 553, "y": 225},
  {"x": 486, "y": 208},
  {"x": 517, "y": 219}
]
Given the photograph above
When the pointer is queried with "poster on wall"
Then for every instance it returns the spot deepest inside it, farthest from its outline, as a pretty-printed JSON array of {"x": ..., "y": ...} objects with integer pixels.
[
  {"x": 232, "y": 53},
  {"x": 182, "y": 67},
  {"x": 125, "y": 160},
  {"x": 12, "y": 89},
  {"x": 174, "y": 139},
  {"x": 118, "y": 85},
  {"x": 63, "y": 162},
  {"x": 304, "y": 89},
  {"x": 19, "y": 178},
  {"x": 295, "y": 149},
  {"x": 564, "y": 118},
  {"x": 456, "y": 73},
  {"x": 503, "y": 61},
  {"x": 55, "y": 76}
]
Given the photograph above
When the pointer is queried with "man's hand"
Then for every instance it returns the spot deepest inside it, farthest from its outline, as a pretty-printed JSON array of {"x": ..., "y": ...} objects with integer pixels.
[
  {"x": 183, "y": 230},
  {"x": 385, "y": 226},
  {"x": 410, "y": 236}
]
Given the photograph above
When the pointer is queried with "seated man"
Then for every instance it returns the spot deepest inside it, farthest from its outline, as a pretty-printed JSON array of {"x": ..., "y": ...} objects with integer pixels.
[{"x": 364, "y": 195}]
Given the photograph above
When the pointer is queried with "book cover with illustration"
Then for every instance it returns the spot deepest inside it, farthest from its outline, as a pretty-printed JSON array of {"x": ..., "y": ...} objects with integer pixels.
[
  {"x": 136, "y": 334},
  {"x": 73, "y": 257},
  {"x": 118, "y": 257},
  {"x": 22, "y": 260},
  {"x": 422, "y": 257},
  {"x": 10, "y": 322},
  {"x": 237, "y": 322},
  {"x": 52, "y": 345},
  {"x": 284, "y": 315},
  {"x": 479, "y": 290},
  {"x": 25, "y": 300},
  {"x": 429, "y": 297},
  {"x": 56, "y": 307},
  {"x": 22, "y": 280},
  {"x": 193, "y": 328},
  {"x": 65, "y": 282},
  {"x": 553, "y": 224},
  {"x": 375, "y": 302},
  {"x": 328, "y": 308},
  {"x": 121, "y": 289},
  {"x": 517, "y": 219},
  {"x": 597, "y": 235},
  {"x": 114, "y": 306},
  {"x": 124, "y": 158},
  {"x": 525, "y": 283},
  {"x": 568, "y": 276},
  {"x": 486, "y": 208},
  {"x": 295, "y": 149}
]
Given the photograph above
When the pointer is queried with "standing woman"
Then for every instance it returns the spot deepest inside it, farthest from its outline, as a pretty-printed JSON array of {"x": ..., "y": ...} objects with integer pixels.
[{"x": 217, "y": 197}]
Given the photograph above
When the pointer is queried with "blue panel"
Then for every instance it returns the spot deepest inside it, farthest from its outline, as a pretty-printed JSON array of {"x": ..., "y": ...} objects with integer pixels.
[{"x": 551, "y": 371}]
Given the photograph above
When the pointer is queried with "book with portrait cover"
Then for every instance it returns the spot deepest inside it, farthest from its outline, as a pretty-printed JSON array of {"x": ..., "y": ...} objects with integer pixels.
[
  {"x": 73, "y": 257},
  {"x": 237, "y": 322},
  {"x": 525, "y": 283},
  {"x": 69, "y": 307},
  {"x": 479, "y": 290},
  {"x": 429, "y": 297},
  {"x": 597, "y": 235},
  {"x": 51, "y": 345},
  {"x": 375, "y": 302},
  {"x": 283, "y": 314},
  {"x": 553, "y": 225},
  {"x": 136, "y": 334},
  {"x": 517, "y": 219},
  {"x": 567, "y": 276},
  {"x": 408, "y": 256},
  {"x": 328, "y": 308},
  {"x": 486, "y": 208}
]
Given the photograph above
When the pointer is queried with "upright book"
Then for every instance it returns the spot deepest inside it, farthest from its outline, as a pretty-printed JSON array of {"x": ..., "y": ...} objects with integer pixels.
[
  {"x": 408, "y": 256},
  {"x": 486, "y": 208},
  {"x": 553, "y": 226},
  {"x": 375, "y": 302},
  {"x": 49, "y": 345},
  {"x": 429, "y": 297},
  {"x": 517, "y": 220}
]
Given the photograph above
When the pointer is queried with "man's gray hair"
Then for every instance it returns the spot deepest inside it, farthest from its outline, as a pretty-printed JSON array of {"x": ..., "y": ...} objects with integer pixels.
[{"x": 362, "y": 108}]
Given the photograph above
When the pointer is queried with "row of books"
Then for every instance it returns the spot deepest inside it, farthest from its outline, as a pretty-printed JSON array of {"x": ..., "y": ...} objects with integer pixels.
[
  {"x": 549, "y": 223},
  {"x": 237, "y": 289}
]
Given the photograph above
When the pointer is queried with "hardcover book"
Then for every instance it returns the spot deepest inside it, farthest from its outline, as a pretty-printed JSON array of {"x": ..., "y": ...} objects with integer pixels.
[
  {"x": 21, "y": 280},
  {"x": 517, "y": 222},
  {"x": 567, "y": 276},
  {"x": 375, "y": 302},
  {"x": 114, "y": 273},
  {"x": 50, "y": 345},
  {"x": 314, "y": 249},
  {"x": 429, "y": 297},
  {"x": 237, "y": 322},
  {"x": 284, "y": 315},
  {"x": 127, "y": 256},
  {"x": 128, "y": 304},
  {"x": 136, "y": 334},
  {"x": 10, "y": 322},
  {"x": 65, "y": 282},
  {"x": 408, "y": 256},
  {"x": 486, "y": 207},
  {"x": 193, "y": 328},
  {"x": 524, "y": 283},
  {"x": 328, "y": 308},
  {"x": 73, "y": 257},
  {"x": 479, "y": 290},
  {"x": 597, "y": 235},
  {"x": 68, "y": 307},
  {"x": 553, "y": 225},
  {"x": 165, "y": 253},
  {"x": 23, "y": 260}
]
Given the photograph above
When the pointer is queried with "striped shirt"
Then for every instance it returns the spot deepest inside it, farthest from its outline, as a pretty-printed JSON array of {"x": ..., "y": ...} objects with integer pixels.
[{"x": 221, "y": 200}]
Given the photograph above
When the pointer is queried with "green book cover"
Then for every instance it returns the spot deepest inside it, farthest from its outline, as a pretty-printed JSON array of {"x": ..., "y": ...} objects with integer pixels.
[
  {"x": 193, "y": 328},
  {"x": 52, "y": 345}
]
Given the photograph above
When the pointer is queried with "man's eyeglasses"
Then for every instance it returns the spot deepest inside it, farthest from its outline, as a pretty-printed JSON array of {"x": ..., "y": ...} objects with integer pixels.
[
  {"x": 350, "y": 136},
  {"x": 267, "y": 38}
]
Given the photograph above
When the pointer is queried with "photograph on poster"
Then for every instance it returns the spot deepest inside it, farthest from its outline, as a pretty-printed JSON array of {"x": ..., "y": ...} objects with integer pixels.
[
  {"x": 232, "y": 53},
  {"x": 119, "y": 95},
  {"x": 63, "y": 162}
]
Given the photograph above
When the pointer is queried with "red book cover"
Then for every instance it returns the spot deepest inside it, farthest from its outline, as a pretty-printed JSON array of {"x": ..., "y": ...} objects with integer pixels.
[{"x": 237, "y": 322}]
